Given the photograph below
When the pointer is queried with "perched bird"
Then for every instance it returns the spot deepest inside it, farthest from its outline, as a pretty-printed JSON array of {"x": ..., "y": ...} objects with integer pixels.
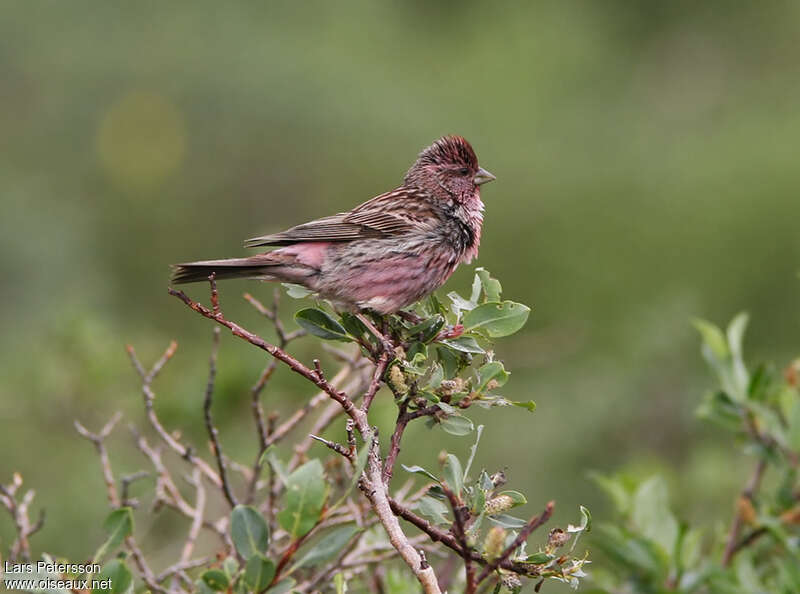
[{"x": 386, "y": 253}]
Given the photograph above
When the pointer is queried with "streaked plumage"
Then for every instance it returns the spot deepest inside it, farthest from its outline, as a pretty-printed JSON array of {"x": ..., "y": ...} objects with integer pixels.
[{"x": 386, "y": 253}]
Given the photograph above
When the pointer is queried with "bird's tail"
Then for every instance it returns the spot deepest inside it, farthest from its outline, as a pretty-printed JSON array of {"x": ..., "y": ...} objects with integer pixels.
[{"x": 254, "y": 267}]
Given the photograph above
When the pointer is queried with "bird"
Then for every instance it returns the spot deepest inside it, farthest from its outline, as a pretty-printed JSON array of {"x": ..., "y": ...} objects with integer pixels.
[{"x": 385, "y": 254}]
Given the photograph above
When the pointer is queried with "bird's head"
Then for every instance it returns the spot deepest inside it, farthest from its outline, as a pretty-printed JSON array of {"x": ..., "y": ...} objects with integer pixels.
[{"x": 449, "y": 169}]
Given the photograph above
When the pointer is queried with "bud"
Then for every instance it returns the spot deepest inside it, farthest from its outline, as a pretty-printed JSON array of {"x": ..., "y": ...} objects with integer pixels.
[
  {"x": 498, "y": 479},
  {"x": 557, "y": 538},
  {"x": 491, "y": 385},
  {"x": 397, "y": 380},
  {"x": 495, "y": 542},
  {"x": 442, "y": 458},
  {"x": 511, "y": 581},
  {"x": 450, "y": 387},
  {"x": 498, "y": 505}
]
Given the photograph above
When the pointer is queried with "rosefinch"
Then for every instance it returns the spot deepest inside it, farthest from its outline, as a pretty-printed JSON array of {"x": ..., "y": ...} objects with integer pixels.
[{"x": 385, "y": 254}]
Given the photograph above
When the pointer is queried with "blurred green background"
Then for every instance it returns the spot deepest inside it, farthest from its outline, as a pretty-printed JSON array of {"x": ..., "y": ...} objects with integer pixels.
[{"x": 647, "y": 164}]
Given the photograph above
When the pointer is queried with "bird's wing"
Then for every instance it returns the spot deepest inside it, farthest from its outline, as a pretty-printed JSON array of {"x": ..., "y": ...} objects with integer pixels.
[{"x": 383, "y": 216}]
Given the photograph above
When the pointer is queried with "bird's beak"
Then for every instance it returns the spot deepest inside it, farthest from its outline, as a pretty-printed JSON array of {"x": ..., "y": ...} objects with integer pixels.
[{"x": 483, "y": 177}]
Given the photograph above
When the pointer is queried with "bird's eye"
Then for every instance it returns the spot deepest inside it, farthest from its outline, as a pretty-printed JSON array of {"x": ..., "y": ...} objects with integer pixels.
[{"x": 463, "y": 171}]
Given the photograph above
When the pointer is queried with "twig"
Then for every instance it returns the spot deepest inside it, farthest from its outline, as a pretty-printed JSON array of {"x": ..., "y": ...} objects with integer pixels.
[
  {"x": 336, "y": 447},
  {"x": 183, "y": 451},
  {"x": 197, "y": 520},
  {"x": 523, "y": 535},
  {"x": 380, "y": 369},
  {"x": 276, "y": 352},
  {"x": 213, "y": 433},
  {"x": 459, "y": 530},
  {"x": 404, "y": 417},
  {"x": 97, "y": 440},
  {"x": 732, "y": 546},
  {"x": 126, "y": 482},
  {"x": 19, "y": 513},
  {"x": 111, "y": 490}
]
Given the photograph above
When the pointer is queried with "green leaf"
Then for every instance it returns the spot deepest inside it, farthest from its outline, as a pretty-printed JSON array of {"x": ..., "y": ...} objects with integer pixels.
[
  {"x": 419, "y": 470},
  {"x": 736, "y": 330},
  {"x": 713, "y": 338},
  {"x": 464, "y": 344},
  {"x": 258, "y": 573},
  {"x": 585, "y": 526},
  {"x": 450, "y": 361},
  {"x": 115, "y": 578},
  {"x": 249, "y": 531},
  {"x": 296, "y": 291},
  {"x": 283, "y": 586},
  {"x": 459, "y": 303},
  {"x": 539, "y": 558},
  {"x": 330, "y": 544},
  {"x": 456, "y": 425},
  {"x": 119, "y": 525},
  {"x": 306, "y": 491},
  {"x": 428, "y": 329},
  {"x": 494, "y": 370},
  {"x": 615, "y": 490},
  {"x": 472, "y": 451},
  {"x": 216, "y": 580},
  {"x": 496, "y": 319},
  {"x": 453, "y": 474},
  {"x": 530, "y": 405},
  {"x": 353, "y": 325},
  {"x": 517, "y": 497},
  {"x": 433, "y": 509},
  {"x": 320, "y": 324},
  {"x": 651, "y": 514},
  {"x": 230, "y": 566},
  {"x": 278, "y": 467},
  {"x": 491, "y": 286},
  {"x": 507, "y": 521}
]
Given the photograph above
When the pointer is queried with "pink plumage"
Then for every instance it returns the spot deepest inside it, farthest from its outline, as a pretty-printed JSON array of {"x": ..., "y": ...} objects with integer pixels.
[{"x": 386, "y": 253}]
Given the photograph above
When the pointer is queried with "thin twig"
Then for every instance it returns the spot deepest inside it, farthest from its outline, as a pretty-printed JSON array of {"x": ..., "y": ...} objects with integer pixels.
[
  {"x": 183, "y": 451},
  {"x": 732, "y": 546},
  {"x": 523, "y": 535},
  {"x": 459, "y": 530},
  {"x": 213, "y": 433}
]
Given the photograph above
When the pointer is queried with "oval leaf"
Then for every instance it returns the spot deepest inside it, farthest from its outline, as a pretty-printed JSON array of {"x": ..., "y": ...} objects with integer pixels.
[
  {"x": 115, "y": 578},
  {"x": 216, "y": 579},
  {"x": 306, "y": 491},
  {"x": 320, "y": 324},
  {"x": 119, "y": 525},
  {"x": 258, "y": 573},
  {"x": 497, "y": 319},
  {"x": 464, "y": 344},
  {"x": 249, "y": 531},
  {"x": 457, "y": 425},
  {"x": 328, "y": 546},
  {"x": 453, "y": 474}
]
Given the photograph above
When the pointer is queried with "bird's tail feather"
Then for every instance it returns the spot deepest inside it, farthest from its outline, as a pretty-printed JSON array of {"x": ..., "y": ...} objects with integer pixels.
[{"x": 192, "y": 272}]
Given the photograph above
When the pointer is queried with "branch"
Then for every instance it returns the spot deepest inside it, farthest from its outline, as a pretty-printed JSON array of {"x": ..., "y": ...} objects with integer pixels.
[
  {"x": 19, "y": 513},
  {"x": 98, "y": 440},
  {"x": 213, "y": 433},
  {"x": 523, "y": 535},
  {"x": 732, "y": 546},
  {"x": 183, "y": 451},
  {"x": 279, "y": 354},
  {"x": 460, "y": 533}
]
